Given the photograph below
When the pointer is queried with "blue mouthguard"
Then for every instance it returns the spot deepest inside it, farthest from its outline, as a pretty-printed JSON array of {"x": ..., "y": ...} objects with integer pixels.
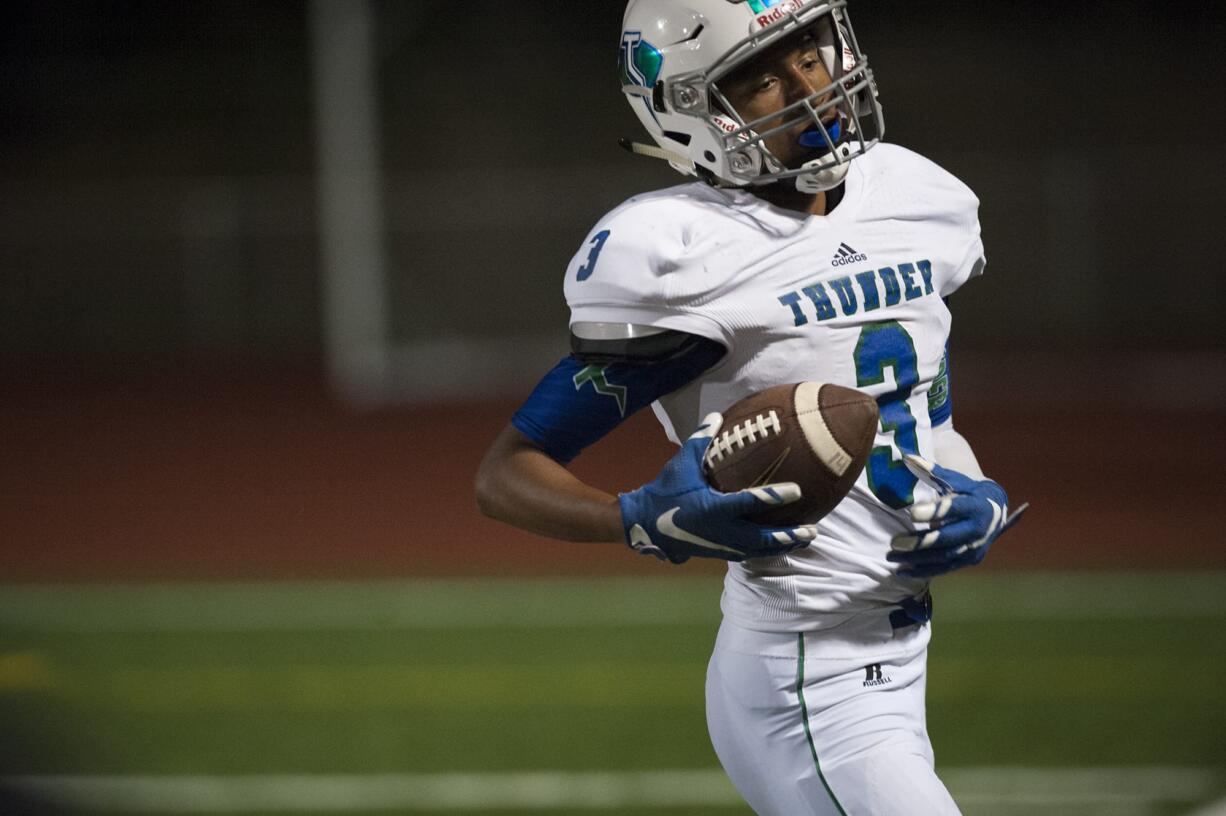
[{"x": 813, "y": 136}]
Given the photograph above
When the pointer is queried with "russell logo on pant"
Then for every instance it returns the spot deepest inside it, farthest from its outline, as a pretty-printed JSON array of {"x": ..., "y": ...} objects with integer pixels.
[{"x": 874, "y": 677}]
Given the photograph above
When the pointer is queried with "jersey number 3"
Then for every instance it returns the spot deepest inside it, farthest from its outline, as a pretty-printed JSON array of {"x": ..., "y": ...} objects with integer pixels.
[
  {"x": 881, "y": 346},
  {"x": 589, "y": 266}
]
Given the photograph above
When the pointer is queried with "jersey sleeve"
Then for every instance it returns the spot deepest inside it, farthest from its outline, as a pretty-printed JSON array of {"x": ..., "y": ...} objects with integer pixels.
[
  {"x": 914, "y": 188},
  {"x": 964, "y": 254},
  {"x": 639, "y": 265},
  {"x": 973, "y": 260}
]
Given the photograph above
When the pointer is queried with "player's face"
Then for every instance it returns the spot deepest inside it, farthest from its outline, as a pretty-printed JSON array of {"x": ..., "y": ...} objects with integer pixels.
[{"x": 781, "y": 76}]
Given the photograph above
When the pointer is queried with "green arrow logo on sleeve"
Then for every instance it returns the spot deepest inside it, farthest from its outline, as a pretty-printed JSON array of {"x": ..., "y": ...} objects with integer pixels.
[{"x": 595, "y": 375}]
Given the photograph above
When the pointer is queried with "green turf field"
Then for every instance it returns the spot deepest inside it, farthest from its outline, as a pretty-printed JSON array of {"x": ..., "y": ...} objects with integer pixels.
[{"x": 1062, "y": 694}]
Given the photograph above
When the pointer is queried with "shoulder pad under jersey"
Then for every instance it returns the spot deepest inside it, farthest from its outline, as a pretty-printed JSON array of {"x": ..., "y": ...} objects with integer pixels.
[{"x": 627, "y": 342}]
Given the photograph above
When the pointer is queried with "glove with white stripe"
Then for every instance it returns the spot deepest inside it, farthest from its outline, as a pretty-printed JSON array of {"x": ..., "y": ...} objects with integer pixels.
[
  {"x": 963, "y": 522},
  {"x": 679, "y": 515}
]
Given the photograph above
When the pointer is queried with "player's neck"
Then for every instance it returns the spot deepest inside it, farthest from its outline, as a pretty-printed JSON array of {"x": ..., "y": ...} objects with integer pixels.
[{"x": 787, "y": 197}]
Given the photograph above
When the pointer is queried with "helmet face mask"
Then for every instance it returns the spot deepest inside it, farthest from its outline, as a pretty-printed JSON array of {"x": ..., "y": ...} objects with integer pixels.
[{"x": 684, "y": 98}]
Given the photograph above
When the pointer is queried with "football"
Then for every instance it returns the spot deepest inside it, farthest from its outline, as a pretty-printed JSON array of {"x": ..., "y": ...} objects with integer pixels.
[{"x": 817, "y": 435}]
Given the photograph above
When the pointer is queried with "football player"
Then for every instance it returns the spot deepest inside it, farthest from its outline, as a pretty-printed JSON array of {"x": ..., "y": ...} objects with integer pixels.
[{"x": 803, "y": 248}]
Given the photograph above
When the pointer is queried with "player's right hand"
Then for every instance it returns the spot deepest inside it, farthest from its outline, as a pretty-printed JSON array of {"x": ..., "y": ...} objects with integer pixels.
[{"x": 679, "y": 515}]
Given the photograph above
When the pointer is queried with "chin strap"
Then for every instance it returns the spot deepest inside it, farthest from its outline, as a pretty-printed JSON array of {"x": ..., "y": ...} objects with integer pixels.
[
  {"x": 827, "y": 178},
  {"x": 651, "y": 151},
  {"x": 828, "y": 138}
]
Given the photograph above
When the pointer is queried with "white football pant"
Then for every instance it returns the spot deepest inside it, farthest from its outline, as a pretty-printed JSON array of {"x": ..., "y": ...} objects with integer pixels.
[{"x": 826, "y": 723}]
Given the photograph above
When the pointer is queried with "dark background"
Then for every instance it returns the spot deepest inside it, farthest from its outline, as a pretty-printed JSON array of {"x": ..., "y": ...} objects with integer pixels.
[
  {"x": 163, "y": 385},
  {"x": 156, "y": 168}
]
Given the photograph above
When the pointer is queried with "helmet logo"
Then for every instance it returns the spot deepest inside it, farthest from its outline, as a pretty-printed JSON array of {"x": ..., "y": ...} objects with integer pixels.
[
  {"x": 759, "y": 6},
  {"x": 770, "y": 11},
  {"x": 639, "y": 62}
]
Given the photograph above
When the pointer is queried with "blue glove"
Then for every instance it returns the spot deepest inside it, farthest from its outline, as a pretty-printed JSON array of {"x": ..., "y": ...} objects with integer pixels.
[
  {"x": 679, "y": 515},
  {"x": 963, "y": 522}
]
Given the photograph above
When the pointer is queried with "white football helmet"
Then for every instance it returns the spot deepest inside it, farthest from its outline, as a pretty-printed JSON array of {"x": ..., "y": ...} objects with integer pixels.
[{"x": 674, "y": 54}]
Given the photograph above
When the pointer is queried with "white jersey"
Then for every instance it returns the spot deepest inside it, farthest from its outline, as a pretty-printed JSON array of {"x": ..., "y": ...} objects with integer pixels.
[{"x": 852, "y": 298}]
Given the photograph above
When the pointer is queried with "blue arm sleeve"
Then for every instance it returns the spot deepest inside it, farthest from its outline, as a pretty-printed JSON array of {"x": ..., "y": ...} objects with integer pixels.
[{"x": 577, "y": 403}]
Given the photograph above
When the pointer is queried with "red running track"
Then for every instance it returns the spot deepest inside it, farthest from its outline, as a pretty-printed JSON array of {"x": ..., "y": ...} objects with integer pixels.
[{"x": 207, "y": 476}]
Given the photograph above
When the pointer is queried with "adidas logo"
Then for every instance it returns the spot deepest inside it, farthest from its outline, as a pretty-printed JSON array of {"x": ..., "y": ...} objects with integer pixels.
[{"x": 847, "y": 255}]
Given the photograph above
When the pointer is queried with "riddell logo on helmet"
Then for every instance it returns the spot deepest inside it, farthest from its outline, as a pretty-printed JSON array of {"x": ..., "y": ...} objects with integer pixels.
[{"x": 777, "y": 13}]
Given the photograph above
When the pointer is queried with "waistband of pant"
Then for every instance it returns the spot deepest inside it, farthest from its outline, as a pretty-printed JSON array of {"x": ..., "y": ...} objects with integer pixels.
[{"x": 912, "y": 611}]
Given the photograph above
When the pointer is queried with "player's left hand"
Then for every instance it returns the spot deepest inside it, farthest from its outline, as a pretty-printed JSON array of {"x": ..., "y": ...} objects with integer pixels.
[{"x": 966, "y": 518}]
